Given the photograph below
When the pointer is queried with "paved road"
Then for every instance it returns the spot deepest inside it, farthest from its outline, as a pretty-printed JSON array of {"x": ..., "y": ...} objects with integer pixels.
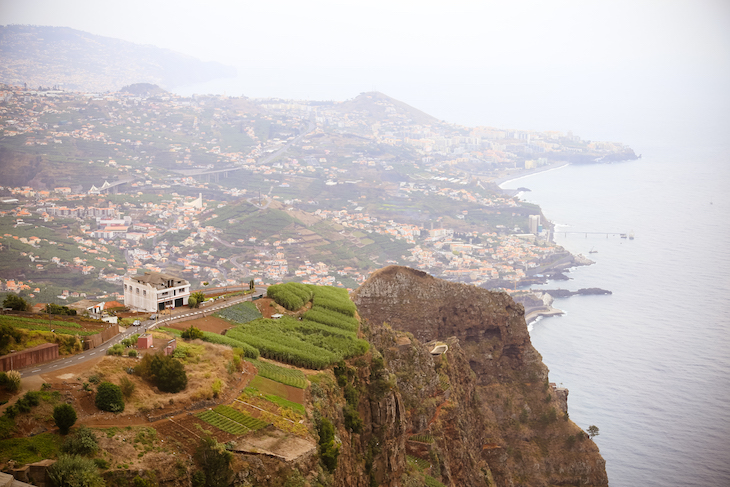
[{"x": 100, "y": 351}]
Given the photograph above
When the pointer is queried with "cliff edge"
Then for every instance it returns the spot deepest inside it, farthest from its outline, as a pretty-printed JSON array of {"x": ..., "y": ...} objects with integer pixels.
[{"x": 476, "y": 397}]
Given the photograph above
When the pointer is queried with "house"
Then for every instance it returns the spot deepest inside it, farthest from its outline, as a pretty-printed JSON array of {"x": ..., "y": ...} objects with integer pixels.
[
  {"x": 144, "y": 342},
  {"x": 87, "y": 306},
  {"x": 154, "y": 291}
]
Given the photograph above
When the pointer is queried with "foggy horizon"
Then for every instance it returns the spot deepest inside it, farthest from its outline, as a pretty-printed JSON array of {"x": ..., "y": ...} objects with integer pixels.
[{"x": 605, "y": 71}]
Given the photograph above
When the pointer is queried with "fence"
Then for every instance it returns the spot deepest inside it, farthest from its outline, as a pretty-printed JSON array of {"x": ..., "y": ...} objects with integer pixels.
[
  {"x": 93, "y": 341},
  {"x": 25, "y": 358}
]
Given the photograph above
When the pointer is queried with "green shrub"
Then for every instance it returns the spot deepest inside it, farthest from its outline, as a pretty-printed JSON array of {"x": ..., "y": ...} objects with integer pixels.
[
  {"x": 328, "y": 451},
  {"x": 28, "y": 401},
  {"x": 56, "y": 309},
  {"x": 195, "y": 299},
  {"x": 127, "y": 387},
  {"x": 65, "y": 416},
  {"x": 15, "y": 302},
  {"x": 82, "y": 442},
  {"x": 215, "y": 461},
  {"x": 169, "y": 374},
  {"x": 74, "y": 471},
  {"x": 8, "y": 334},
  {"x": 192, "y": 333},
  {"x": 132, "y": 353},
  {"x": 12, "y": 380},
  {"x": 217, "y": 386},
  {"x": 109, "y": 397},
  {"x": 353, "y": 422}
]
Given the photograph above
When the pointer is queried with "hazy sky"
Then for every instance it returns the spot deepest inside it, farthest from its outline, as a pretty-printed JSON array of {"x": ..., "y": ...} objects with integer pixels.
[{"x": 603, "y": 69}]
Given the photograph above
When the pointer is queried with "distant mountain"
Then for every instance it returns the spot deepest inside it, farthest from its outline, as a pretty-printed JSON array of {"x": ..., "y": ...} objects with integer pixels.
[
  {"x": 76, "y": 60},
  {"x": 376, "y": 106}
]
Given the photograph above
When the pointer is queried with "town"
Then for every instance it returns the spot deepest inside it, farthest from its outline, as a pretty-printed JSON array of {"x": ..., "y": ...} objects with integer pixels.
[{"x": 224, "y": 190}]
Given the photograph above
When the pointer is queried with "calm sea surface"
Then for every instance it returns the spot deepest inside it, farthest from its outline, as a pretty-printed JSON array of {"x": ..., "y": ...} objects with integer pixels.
[{"x": 650, "y": 364}]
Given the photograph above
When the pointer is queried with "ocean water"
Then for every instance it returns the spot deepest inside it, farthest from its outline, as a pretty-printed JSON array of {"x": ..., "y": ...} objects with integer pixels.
[{"x": 650, "y": 364}]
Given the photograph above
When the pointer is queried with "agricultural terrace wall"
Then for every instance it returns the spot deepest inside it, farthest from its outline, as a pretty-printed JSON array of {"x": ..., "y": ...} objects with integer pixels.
[
  {"x": 93, "y": 341},
  {"x": 25, "y": 358}
]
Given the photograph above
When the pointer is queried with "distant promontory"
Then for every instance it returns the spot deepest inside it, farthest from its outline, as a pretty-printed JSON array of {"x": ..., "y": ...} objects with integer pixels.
[{"x": 42, "y": 56}]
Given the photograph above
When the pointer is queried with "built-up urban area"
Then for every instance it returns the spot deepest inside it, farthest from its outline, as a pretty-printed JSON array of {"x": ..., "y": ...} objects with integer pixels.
[{"x": 222, "y": 190}]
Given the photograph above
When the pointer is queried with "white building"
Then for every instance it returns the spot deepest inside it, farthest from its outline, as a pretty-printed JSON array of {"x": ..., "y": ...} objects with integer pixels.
[
  {"x": 197, "y": 203},
  {"x": 154, "y": 291},
  {"x": 534, "y": 221}
]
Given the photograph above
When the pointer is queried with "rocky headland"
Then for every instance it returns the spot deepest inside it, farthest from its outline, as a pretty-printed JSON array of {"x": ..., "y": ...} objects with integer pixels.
[{"x": 469, "y": 385}]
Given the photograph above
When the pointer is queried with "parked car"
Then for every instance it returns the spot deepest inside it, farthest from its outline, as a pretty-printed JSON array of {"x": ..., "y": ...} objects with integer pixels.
[
  {"x": 153, "y": 316},
  {"x": 137, "y": 323}
]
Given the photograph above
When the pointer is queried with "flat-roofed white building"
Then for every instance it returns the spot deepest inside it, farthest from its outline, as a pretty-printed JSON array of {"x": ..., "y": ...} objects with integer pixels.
[{"x": 154, "y": 291}]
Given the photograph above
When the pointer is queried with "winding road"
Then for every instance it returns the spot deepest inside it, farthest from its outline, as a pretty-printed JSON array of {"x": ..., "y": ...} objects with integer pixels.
[{"x": 100, "y": 351}]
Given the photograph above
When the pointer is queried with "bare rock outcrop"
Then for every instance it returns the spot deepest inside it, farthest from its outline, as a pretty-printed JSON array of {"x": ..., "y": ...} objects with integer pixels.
[{"x": 483, "y": 413}]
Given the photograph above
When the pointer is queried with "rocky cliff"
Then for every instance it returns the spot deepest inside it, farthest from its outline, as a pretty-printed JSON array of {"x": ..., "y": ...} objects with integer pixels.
[{"x": 479, "y": 409}]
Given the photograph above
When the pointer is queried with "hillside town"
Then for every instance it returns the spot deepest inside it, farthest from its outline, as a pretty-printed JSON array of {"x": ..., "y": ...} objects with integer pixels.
[{"x": 331, "y": 178}]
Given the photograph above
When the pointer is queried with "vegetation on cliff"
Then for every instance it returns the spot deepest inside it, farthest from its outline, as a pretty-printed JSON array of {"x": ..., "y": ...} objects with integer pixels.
[{"x": 446, "y": 389}]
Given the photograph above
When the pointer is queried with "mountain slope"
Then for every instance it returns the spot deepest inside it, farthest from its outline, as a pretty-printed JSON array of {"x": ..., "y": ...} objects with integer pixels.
[
  {"x": 377, "y": 107},
  {"x": 76, "y": 60}
]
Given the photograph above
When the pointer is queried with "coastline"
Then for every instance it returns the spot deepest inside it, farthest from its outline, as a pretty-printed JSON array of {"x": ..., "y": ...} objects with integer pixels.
[
  {"x": 529, "y": 172},
  {"x": 533, "y": 315}
]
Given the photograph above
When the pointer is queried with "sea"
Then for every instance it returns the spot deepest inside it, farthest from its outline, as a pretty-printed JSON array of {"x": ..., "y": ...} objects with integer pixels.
[{"x": 649, "y": 365}]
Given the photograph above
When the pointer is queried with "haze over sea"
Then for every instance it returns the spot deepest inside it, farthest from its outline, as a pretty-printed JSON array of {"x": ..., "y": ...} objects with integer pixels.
[{"x": 649, "y": 364}]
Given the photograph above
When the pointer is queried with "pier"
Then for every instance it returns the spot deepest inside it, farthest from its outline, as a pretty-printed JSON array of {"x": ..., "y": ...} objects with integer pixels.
[{"x": 607, "y": 234}]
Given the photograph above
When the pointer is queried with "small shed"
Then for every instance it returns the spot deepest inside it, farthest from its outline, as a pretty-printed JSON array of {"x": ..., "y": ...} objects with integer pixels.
[
  {"x": 144, "y": 342},
  {"x": 171, "y": 346}
]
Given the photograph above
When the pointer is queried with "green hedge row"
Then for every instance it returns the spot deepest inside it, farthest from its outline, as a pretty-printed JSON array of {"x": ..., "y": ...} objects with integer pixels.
[
  {"x": 290, "y": 377},
  {"x": 331, "y": 318},
  {"x": 291, "y": 295}
]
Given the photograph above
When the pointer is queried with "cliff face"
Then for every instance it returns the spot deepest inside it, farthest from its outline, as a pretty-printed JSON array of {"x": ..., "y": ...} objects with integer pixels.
[
  {"x": 490, "y": 326},
  {"x": 483, "y": 412}
]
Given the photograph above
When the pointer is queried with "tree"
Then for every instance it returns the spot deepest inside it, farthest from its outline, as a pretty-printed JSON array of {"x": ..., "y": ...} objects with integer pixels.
[
  {"x": 198, "y": 297},
  {"x": 57, "y": 309},
  {"x": 169, "y": 373},
  {"x": 216, "y": 462},
  {"x": 593, "y": 430},
  {"x": 15, "y": 302},
  {"x": 8, "y": 334},
  {"x": 109, "y": 397},
  {"x": 328, "y": 451},
  {"x": 191, "y": 333},
  {"x": 74, "y": 471},
  {"x": 65, "y": 416}
]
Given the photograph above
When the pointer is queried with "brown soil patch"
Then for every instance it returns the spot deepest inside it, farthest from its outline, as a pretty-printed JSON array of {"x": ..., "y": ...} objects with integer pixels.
[
  {"x": 276, "y": 442},
  {"x": 268, "y": 307},
  {"x": 209, "y": 323},
  {"x": 265, "y": 308}
]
